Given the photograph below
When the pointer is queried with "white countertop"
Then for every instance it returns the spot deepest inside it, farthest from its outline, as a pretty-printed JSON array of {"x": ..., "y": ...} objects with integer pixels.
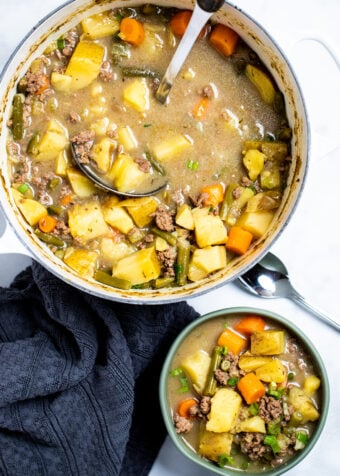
[{"x": 310, "y": 243}]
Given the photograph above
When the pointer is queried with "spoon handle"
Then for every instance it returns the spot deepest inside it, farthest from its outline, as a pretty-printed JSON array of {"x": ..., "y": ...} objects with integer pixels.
[
  {"x": 198, "y": 20},
  {"x": 299, "y": 299}
]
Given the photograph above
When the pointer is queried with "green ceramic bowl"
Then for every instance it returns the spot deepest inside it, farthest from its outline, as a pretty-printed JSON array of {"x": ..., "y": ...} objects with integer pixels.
[{"x": 318, "y": 366}]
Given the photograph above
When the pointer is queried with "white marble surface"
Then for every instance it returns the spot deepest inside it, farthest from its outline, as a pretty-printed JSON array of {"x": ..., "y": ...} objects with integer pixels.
[{"x": 310, "y": 243}]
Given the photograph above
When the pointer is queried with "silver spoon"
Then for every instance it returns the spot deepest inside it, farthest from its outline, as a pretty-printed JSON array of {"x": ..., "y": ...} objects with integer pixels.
[
  {"x": 269, "y": 279},
  {"x": 160, "y": 182},
  {"x": 203, "y": 10}
]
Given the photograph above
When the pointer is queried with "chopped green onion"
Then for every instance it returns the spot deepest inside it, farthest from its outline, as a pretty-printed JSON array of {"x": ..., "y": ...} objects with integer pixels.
[
  {"x": 301, "y": 440},
  {"x": 184, "y": 385},
  {"x": 275, "y": 392},
  {"x": 23, "y": 188},
  {"x": 192, "y": 165},
  {"x": 274, "y": 426},
  {"x": 254, "y": 409},
  {"x": 60, "y": 43},
  {"x": 176, "y": 372},
  {"x": 271, "y": 441},
  {"x": 224, "y": 459}
]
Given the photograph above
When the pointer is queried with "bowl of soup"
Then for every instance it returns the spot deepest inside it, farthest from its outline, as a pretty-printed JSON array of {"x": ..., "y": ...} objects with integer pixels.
[
  {"x": 231, "y": 143},
  {"x": 243, "y": 390}
]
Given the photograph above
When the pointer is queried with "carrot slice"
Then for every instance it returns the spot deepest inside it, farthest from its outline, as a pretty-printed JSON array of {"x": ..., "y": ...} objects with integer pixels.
[
  {"x": 251, "y": 388},
  {"x": 213, "y": 194},
  {"x": 224, "y": 39},
  {"x": 184, "y": 407},
  {"x": 234, "y": 342},
  {"x": 238, "y": 240},
  {"x": 44, "y": 84},
  {"x": 66, "y": 199},
  {"x": 47, "y": 223},
  {"x": 201, "y": 108},
  {"x": 250, "y": 324},
  {"x": 180, "y": 21},
  {"x": 132, "y": 31}
]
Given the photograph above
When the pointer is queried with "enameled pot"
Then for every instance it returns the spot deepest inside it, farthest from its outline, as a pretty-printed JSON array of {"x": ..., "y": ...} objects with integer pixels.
[{"x": 67, "y": 16}]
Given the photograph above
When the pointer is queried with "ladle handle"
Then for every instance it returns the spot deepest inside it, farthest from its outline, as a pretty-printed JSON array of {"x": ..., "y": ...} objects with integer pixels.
[
  {"x": 299, "y": 299},
  {"x": 198, "y": 20}
]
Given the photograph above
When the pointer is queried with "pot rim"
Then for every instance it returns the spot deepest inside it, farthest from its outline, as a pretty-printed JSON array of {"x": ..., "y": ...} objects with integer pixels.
[{"x": 174, "y": 294}]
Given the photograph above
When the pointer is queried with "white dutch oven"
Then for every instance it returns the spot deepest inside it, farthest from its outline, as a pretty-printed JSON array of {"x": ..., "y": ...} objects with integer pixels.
[{"x": 68, "y": 16}]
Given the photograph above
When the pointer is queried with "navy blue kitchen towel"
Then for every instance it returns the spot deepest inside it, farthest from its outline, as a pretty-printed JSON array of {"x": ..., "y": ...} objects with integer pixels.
[{"x": 79, "y": 379}]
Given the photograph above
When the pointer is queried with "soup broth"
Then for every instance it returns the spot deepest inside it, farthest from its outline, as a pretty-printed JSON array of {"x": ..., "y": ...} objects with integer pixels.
[
  {"x": 254, "y": 425},
  {"x": 222, "y": 142}
]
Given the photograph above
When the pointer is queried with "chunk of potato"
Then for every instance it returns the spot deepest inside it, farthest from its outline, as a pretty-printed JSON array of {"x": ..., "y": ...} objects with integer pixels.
[
  {"x": 256, "y": 222},
  {"x": 212, "y": 445},
  {"x": 209, "y": 229},
  {"x": 139, "y": 267},
  {"x": 253, "y": 160},
  {"x": 273, "y": 371},
  {"x": 81, "y": 185},
  {"x": 99, "y": 26},
  {"x": 268, "y": 342},
  {"x": 303, "y": 404},
  {"x": 112, "y": 251},
  {"x": 262, "y": 82},
  {"x": 253, "y": 424},
  {"x": 86, "y": 221},
  {"x": 249, "y": 362},
  {"x": 311, "y": 384},
  {"x": 31, "y": 209},
  {"x": 126, "y": 173},
  {"x": 82, "y": 69},
  {"x": 171, "y": 147},
  {"x": 141, "y": 209},
  {"x": 225, "y": 407},
  {"x": 102, "y": 153},
  {"x": 117, "y": 216},
  {"x": 84, "y": 262},
  {"x": 196, "y": 366},
  {"x": 184, "y": 217},
  {"x": 53, "y": 141},
  {"x": 127, "y": 138},
  {"x": 196, "y": 273},
  {"x": 62, "y": 163},
  {"x": 137, "y": 94},
  {"x": 209, "y": 259}
]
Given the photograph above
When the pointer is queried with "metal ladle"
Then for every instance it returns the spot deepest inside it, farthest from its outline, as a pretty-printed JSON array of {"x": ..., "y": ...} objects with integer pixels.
[
  {"x": 100, "y": 181},
  {"x": 203, "y": 10},
  {"x": 269, "y": 279}
]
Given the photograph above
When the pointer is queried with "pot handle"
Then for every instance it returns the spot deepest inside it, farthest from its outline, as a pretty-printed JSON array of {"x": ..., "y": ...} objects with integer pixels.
[
  {"x": 325, "y": 136},
  {"x": 9, "y": 241}
]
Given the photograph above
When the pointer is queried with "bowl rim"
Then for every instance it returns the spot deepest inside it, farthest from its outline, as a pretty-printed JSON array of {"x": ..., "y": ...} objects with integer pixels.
[{"x": 317, "y": 362}]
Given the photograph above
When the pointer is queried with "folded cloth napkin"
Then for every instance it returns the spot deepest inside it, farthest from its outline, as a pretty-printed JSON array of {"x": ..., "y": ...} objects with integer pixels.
[{"x": 79, "y": 379}]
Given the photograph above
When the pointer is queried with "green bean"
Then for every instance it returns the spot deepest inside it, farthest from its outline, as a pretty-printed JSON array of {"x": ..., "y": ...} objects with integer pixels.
[
  {"x": 18, "y": 117},
  {"x": 106, "y": 278},
  {"x": 182, "y": 264},
  {"x": 50, "y": 239},
  {"x": 135, "y": 71},
  {"x": 210, "y": 386},
  {"x": 32, "y": 146},
  {"x": 163, "y": 282},
  {"x": 167, "y": 236},
  {"x": 227, "y": 200},
  {"x": 155, "y": 164},
  {"x": 55, "y": 210}
]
